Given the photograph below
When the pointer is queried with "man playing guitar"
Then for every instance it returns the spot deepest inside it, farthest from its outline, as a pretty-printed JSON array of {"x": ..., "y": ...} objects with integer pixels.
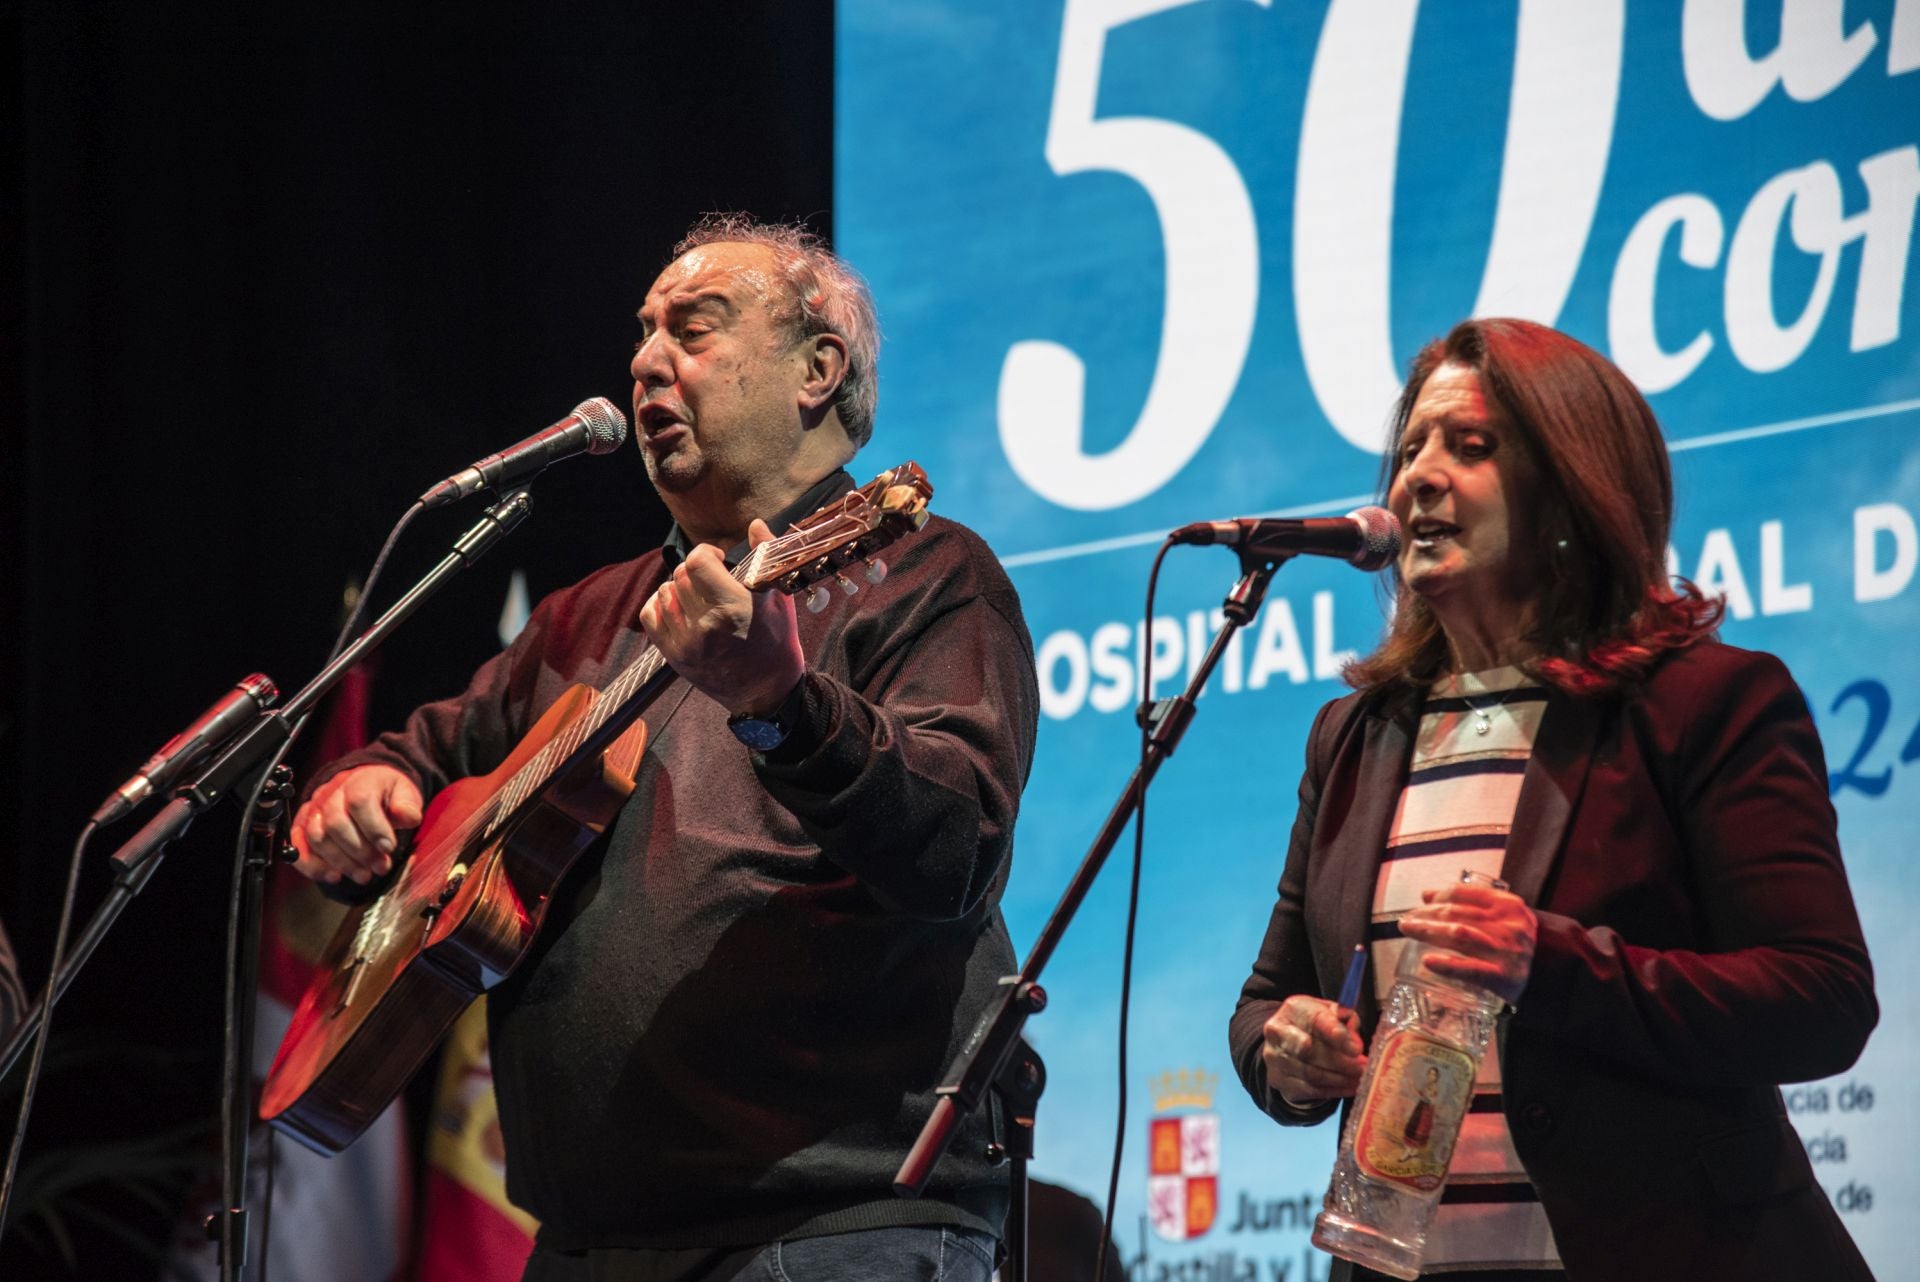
[{"x": 730, "y": 1026}]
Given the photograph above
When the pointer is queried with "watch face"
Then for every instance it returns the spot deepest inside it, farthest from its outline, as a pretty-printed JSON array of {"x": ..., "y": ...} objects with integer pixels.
[{"x": 761, "y": 736}]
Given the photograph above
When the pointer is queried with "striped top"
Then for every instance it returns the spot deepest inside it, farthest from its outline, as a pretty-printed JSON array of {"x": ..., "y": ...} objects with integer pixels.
[{"x": 1476, "y": 734}]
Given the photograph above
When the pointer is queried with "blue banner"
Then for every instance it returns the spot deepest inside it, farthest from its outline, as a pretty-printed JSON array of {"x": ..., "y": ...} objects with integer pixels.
[{"x": 1144, "y": 262}]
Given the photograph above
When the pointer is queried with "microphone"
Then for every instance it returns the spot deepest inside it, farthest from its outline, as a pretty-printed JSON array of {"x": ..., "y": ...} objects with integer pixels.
[
  {"x": 595, "y": 426},
  {"x": 1368, "y": 537},
  {"x": 236, "y": 708}
]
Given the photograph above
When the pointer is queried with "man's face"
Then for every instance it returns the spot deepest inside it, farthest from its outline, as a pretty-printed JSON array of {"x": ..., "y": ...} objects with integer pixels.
[{"x": 715, "y": 377}]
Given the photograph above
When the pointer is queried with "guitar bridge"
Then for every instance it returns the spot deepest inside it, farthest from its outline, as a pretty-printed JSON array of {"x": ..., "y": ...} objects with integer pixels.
[
  {"x": 355, "y": 969},
  {"x": 369, "y": 941}
]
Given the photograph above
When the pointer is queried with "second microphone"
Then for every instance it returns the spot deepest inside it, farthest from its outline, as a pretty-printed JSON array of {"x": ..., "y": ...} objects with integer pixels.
[{"x": 1368, "y": 537}]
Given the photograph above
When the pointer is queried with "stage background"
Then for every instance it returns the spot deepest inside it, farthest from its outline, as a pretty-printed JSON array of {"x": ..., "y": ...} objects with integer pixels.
[
  {"x": 270, "y": 272},
  {"x": 1143, "y": 262},
  {"x": 266, "y": 273}
]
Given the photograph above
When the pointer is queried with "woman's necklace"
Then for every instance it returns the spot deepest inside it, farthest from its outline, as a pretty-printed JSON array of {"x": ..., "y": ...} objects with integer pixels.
[{"x": 1481, "y": 722}]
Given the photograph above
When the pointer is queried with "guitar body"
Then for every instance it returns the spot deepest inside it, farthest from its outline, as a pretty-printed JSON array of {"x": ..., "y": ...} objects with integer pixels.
[{"x": 462, "y": 914}]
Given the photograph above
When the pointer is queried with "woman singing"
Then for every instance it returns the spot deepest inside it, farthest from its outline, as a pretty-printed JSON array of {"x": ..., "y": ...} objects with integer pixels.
[{"x": 1679, "y": 938}]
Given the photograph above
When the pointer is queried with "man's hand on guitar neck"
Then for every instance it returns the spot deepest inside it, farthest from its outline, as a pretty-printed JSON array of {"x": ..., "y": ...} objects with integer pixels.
[
  {"x": 347, "y": 828},
  {"x": 742, "y": 648}
]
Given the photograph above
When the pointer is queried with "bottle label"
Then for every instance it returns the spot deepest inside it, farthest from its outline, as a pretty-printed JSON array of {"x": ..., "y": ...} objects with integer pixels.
[{"x": 1412, "y": 1113}]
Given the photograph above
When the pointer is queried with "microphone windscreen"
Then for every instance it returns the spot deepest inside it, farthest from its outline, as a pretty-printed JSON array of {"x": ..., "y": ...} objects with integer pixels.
[
  {"x": 1380, "y": 537},
  {"x": 606, "y": 425}
]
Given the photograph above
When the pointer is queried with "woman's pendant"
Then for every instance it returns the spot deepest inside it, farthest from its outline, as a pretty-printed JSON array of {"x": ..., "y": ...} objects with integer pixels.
[{"x": 1481, "y": 725}]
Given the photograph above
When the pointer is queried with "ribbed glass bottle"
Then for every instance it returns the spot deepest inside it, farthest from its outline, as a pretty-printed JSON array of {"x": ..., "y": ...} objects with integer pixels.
[{"x": 1400, "y": 1133}]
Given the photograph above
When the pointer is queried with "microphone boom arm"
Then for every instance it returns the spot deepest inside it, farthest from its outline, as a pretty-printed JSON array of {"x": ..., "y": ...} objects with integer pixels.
[{"x": 994, "y": 1038}]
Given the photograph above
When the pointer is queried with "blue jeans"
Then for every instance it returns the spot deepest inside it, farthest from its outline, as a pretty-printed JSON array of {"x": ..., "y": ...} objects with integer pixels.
[
  {"x": 909, "y": 1254},
  {"x": 878, "y": 1255}
]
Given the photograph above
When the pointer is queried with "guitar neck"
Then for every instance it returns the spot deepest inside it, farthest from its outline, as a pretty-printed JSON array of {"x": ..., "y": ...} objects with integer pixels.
[
  {"x": 624, "y": 699},
  {"x": 848, "y": 530}
]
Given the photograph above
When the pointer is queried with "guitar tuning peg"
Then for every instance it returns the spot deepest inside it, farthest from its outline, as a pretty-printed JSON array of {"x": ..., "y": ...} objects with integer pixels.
[
  {"x": 847, "y": 586},
  {"x": 817, "y": 598},
  {"x": 876, "y": 569}
]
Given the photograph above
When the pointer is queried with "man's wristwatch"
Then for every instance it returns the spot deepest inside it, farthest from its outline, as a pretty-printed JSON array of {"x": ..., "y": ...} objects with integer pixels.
[{"x": 765, "y": 733}]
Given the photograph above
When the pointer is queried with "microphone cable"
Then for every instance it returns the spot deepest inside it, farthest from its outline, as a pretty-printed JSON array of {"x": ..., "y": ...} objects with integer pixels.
[
  {"x": 236, "y": 1065},
  {"x": 1133, "y": 907},
  {"x": 34, "y": 1065}
]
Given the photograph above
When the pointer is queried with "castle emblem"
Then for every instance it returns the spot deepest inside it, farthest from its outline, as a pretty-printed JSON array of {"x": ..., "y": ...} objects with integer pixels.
[{"x": 1183, "y": 1154}]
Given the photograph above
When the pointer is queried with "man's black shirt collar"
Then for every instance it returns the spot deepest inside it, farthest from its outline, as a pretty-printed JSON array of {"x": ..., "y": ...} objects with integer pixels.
[{"x": 832, "y": 485}]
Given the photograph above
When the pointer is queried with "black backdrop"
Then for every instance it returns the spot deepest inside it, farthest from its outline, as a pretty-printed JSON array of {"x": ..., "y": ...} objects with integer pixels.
[{"x": 270, "y": 272}]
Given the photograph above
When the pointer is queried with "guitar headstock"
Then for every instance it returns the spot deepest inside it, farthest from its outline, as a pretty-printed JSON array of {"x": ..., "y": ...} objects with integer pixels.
[{"x": 845, "y": 532}]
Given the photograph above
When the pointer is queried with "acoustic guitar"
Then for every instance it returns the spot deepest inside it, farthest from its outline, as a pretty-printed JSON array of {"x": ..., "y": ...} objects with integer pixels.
[{"x": 467, "y": 901}]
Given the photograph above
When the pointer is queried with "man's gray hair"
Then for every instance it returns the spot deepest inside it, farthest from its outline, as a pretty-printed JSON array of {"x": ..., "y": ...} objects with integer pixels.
[{"x": 823, "y": 295}]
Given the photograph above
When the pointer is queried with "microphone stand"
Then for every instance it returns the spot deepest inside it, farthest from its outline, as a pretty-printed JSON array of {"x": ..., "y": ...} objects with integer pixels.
[
  {"x": 239, "y": 764},
  {"x": 988, "y": 1049},
  {"x": 266, "y": 844},
  {"x": 1017, "y": 1088}
]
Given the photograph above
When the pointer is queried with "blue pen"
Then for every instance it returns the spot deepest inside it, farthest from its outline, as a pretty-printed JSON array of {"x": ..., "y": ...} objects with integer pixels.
[{"x": 1350, "y": 987}]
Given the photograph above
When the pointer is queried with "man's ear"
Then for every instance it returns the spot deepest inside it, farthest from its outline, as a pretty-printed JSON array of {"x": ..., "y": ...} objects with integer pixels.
[{"x": 826, "y": 370}]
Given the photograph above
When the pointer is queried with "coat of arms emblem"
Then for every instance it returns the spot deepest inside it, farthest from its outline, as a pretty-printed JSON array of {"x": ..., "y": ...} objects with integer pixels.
[{"x": 1183, "y": 1155}]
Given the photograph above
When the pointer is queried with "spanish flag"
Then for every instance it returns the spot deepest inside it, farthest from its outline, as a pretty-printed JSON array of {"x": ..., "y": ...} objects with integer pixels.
[{"x": 469, "y": 1232}]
